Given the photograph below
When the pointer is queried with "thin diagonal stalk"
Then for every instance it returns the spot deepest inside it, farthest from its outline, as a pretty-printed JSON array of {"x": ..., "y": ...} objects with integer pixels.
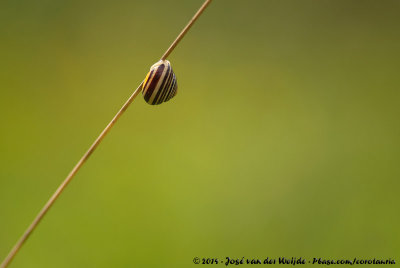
[
  {"x": 185, "y": 30},
  {"x": 93, "y": 147}
]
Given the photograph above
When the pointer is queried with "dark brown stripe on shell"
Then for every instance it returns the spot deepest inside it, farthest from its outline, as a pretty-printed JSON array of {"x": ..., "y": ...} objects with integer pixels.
[
  {"x": 157, "y": 75},
  {"x": 162, "y": 86}
]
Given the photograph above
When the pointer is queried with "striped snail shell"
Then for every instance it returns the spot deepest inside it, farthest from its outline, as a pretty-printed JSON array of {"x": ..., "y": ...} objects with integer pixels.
[{"x": 160, "y": 83}]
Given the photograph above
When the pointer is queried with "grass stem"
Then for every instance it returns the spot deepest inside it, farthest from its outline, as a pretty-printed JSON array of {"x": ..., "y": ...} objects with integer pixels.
[{"x": 92, "y": 148}]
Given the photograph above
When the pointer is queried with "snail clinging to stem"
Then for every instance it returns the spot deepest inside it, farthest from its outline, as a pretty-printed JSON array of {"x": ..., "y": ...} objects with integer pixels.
[
  {"x": 159, "y": 86},
  {"x": 160, "y": 83}
]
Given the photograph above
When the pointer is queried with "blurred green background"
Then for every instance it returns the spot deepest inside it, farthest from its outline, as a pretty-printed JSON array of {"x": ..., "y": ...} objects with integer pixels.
[{"x": 283, "y": 139}]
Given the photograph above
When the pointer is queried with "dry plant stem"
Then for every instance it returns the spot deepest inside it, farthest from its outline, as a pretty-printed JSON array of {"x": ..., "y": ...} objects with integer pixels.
[
  {"x": 186, "y": 29},
  {"x": 70, "y": 176},
  {"x": 64, "y": 184}
]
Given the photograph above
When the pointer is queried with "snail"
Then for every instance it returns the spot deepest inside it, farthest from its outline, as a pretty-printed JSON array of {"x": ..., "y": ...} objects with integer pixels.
[
  {"x": 160, "y": 83},
  {"x": 159, "y": 86}
]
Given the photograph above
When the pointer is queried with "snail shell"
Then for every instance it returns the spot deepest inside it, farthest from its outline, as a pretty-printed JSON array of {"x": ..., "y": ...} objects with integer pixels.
[{"x": 160, "y": 83}]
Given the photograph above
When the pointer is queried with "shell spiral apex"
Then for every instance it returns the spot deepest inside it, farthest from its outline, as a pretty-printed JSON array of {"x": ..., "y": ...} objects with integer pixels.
[{"x": 160, "y": 84}]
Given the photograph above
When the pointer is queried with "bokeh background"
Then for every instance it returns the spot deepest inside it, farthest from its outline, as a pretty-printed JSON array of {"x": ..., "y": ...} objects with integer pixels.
[{"x": 283, "y": 139}]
